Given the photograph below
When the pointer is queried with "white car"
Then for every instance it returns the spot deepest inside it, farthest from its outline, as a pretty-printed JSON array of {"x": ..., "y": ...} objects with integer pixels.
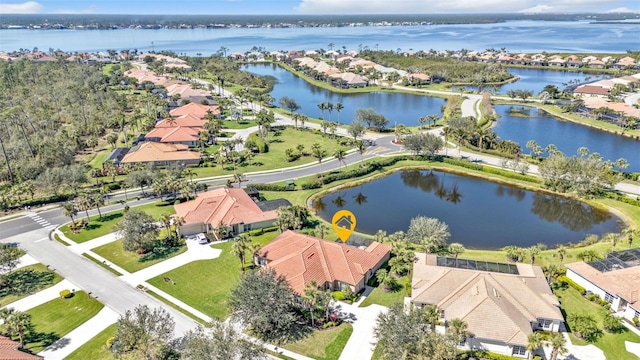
[{"x": 202, "y": 239}]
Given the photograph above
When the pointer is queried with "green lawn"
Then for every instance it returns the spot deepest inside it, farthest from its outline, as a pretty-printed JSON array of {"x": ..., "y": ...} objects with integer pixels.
[
  {"x": 206, "y": 284},
  {"x": 133, "y": 262},
  {"x": 95, "y": 349},
  {"x": 56, "y": 318},
  {"x": 612, "y": 344},
  {"x": 380, "y": 297},
  {"x": 326, "y": 344},
  {"x": 102, "y": 226},
  {"x": 242, "y": 124},
  {"x": 26, "y": 281},
  {"x": 276, "y": 158}
]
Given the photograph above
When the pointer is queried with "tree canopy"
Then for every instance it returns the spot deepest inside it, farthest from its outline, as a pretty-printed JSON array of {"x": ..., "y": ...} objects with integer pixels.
[{"x": 138, "y": 230}]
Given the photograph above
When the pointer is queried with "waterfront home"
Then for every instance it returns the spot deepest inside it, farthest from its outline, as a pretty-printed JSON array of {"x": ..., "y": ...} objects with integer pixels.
[
  {"x": 502, "y": 304},
  {"x": 597, "y": 64},
  {"x": 348, "y": 80},
  {"x": 302, "y": 259},
  {"x": 615, "y": 279},
  {"x": 557, "y": 62},
  {"x": 592, "y": 90},
  {"x": 625, "y": 62},
  {"x": 160, "y": 154},
  {"x": 224, "y": 211}
]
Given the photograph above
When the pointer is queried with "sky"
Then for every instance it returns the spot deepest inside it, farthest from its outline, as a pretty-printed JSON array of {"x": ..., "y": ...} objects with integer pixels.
[{"x": 310, "y": 7}]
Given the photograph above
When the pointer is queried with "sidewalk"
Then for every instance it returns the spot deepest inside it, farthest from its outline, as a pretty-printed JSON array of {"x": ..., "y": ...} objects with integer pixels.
[
  {"x": 43, "y": 296},
  {"x": 80, "y": 335}
]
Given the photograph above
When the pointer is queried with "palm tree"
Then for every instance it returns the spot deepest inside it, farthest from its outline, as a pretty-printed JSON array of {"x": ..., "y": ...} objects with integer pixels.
[
  {"x": 18, "y": 323},
  {"x": 70, "y": 210},
  {"x": 631, "y": 233},
  {"x": 432, "y": 314},
  {"x": 239, "y": 247},
  {"x": 339, "y": 108},
  {"x": 329, "y": 107},
  {"x": 561, "y": 251},
  {"x": 165, "y": 219},
  {"x": 322, "y": 106},
  {"x": 613, "y": 238},
  {"x": 97, "y": 200},
  {"x": 318, "y": 152},
  {"x": 177, "y": 222},
  {"x": 456, "y": 249},
  {"x": 458, "y": 328},
  {"x": 322, "y": 229},
  {"x": 558, "y": 343},
  {"x": 361, "y": 149},
  {"x": 533, "y": 252},
  {"x": 83, "y": 201},
  {"x": 534, "y": 341},
  {"x": 340, "y": 155},
  {"x": 311, "y": 298},
  {"x": 386, "y": 280}
]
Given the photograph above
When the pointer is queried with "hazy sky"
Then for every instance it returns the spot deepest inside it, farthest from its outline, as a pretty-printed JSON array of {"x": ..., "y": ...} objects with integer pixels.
[{"x": 240, "y": 7}]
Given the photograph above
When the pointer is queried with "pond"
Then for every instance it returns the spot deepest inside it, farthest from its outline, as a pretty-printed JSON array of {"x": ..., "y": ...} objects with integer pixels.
[
  {"x": 522, "y": 124},
  {"x": 397, "y": 107},
  {"x": 480, "y": 214},
  {"x": 536, "y": 79}
]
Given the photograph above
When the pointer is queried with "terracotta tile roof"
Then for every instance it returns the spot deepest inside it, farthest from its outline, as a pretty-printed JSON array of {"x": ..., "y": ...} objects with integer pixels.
[
  {"x": 174, "y": 134},
  {"x": 590, "y": 89},
  {"x": 154, "y": 151},
  {"x": 187, "y": 120},
  {"x": 195, "y": 109},
  {"x": 229, "y": 206},
  {"x": 9, "y": 351},
  {"x": 301, "y": 259},
  {"x": 508, "y": 302},
  {"x": 624, "y": 283},
  {"x": 420, "y": 76}
]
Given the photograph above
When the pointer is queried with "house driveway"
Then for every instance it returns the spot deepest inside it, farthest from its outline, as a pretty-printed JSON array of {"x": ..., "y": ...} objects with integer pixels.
[{"x": 576, "y": 352}]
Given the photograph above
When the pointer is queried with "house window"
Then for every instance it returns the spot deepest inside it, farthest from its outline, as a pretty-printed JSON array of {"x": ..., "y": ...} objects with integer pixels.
[
  {"x": 519, "y": 350},
  {"x": 544, "y": 324},
  {"x": 608, "y": 298}
]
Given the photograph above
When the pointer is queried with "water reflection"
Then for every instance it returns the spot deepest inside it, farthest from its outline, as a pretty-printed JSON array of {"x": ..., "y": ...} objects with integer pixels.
[
  {"x": 430, "y": 182},
  {"x": 572, "y": 214},
  {"x": 517, "y": 193}
]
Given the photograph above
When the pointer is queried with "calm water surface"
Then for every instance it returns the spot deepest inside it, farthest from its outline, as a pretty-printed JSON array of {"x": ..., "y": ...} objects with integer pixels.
[
  {"x": 397, "y": 107},
  {"x": 517, "y": 36},
  {"x": 480, "y": 214},
  {"x": 565, "y": 135}
]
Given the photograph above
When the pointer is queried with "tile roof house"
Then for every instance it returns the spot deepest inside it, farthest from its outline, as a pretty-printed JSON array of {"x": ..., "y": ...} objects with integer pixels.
[
  {"x": 230, "y": 208},
  {"x": 597, "y": 64},
  {"x": 174, "y": 135},
  {"x": 160, "y": 154},
  {"x": 301, "y": 259},
  {"x": 188, "y": 120},
  {"x": 348, "y": 80},
  {"x": 501, "y": 303},
  {"x": 195, "y": 109},
  {"x": 9, "y": 351},
  {"x": 615, "y": 280},
  {"x": 591, "y": 90},
  {"x": 625, "y": 62}
]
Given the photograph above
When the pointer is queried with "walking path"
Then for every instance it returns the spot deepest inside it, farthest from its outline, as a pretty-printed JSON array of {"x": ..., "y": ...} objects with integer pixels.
[
  {"x": 25, "y": 260},
  {"x": 80, "y": 335}
]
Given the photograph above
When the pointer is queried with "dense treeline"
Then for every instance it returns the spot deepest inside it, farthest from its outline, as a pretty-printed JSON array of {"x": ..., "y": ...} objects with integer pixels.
[
  {"x": 441, "y": 68},
  {"x": 51, "y": 113}
]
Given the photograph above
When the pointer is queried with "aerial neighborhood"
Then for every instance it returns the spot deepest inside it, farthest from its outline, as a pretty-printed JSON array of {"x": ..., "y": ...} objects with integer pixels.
[{"x": 327, "y": 203}]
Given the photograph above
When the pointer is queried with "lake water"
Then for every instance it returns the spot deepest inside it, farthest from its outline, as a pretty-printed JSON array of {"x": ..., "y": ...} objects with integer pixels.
[
  {"x": 516, "y": 36},
  {"x": 565, "y": 135},
  {"x": 480, "y": 214},
  {"x": 397, "y": 107},
  {"x": 536, "y": 79}
]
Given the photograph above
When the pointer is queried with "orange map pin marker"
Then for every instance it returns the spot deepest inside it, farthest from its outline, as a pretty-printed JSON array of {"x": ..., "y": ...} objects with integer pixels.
[{"x": 344, "y": 222}]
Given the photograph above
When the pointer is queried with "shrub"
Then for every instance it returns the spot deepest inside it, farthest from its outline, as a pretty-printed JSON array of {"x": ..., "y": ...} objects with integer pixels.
[
  {"x": 65, "y": 294},
  {"x": 114, "y": 186},
  {"x": 635, "y": 321},
  {"x": 255, "y": 142},
  {"x": 565, "y": 280},
  {"x": 273, "y": 187},
  {"x": 338, "y": 295},
  {"x": 109, "y": 342},
  {"x": 593, "y": 297},
  {"x": 270, "y": 229},
  {"x": 255, "y": 232},
  {"x": 348, "y": 293}
]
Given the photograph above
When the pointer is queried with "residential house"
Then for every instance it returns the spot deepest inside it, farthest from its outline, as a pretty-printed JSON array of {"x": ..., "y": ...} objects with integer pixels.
[
  {"x": 419, "y": 79},
  {"x": 505, "y": 59},
  {"x": 591, "y": 90},
  {"x": 348, "y": 80},
  {"x": 302, "y": 259},
  {"x": 597, "y": 64},
  {"x": 625, "y": 62},
  {"x": 174, "y": 135},
  {"x": 9, "y": 350},
  {"x": 160, "y": 154},
  {"x": 615, "y": 279},
  {"x": 195, "y": 109},
  {"x": 116, "y": 156},
  {"x": 557, "y": 62},
  {"x": 187, "y": 120},
  {"x": 236, "y": 56},
  {"x": 502, "y": 304},
  {"x": 228, "y": 210},
  {"x": 573, "y": 62}
]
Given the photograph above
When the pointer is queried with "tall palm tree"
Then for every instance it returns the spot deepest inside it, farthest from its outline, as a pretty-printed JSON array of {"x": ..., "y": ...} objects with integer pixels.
[
  {"x": 239, "y": 247},
  {"x": 322, "y": 229},
  {"x": 83, "y": 201},
  {"x": 630, "y": 233},
  {"x": 558, "y": 343},
  {"x": 310, "y": 299},
  {"x": 177, "y": 222},
  {"x": 340, "y": 155},
  {"x": 534, "y": 341},
  {"x": 329, "y": 107},
  {"x": 339, "y": 108},
  {"x": 18, "y": 323},
  {"x": 319, "y": 153},
  {"x": 561, "y": 251},
  {"x": 322, "y": 106},
  {"x": 386, "y": 280},
  {"x": 165, "y": 219},
  {"x": 97, "y": 200},
  {"x": 70, "y": 210}
]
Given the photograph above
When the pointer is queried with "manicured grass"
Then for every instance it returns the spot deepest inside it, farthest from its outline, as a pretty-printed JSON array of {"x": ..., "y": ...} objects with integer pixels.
[
  {"x": 58, "y": 239},
  {"x": 133, "y": 262},
  {"x": 206, "y": 284},
  {"x": 276, "y": 157},
  {"x": 102, "y": 226},
  {"x": 612, "y": 344},
  {"x": 109, "y": 268},
  {"x": 242, "y": 124},
  {"x": 380, "y": 297},
  {"x": 95, "y": 349},
  {"x": 99, "y": 158},
  {"x": 326, "y": 344},
  {"x": 56, "y": 318},
  {"x": 178, "y": 308},
  {"x": 26, "y": 281}
]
